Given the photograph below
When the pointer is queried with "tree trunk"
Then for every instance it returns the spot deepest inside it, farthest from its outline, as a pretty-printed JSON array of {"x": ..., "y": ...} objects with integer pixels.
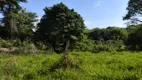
[{"x": 66, "y": 48}]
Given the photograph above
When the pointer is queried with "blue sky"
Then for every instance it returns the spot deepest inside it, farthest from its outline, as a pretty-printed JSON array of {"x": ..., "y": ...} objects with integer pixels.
[{"x": 96, "y": 13}]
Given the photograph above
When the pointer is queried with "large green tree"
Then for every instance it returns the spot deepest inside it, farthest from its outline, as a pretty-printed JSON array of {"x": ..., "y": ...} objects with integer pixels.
[
  {"x": 135, "y": 38},
  {"x": 60, "y": 24},
  {"x": 22, "y": 24},
  {"x": 135, "y": 31},
  {"x": 8, "y": 8},
  {"x": 134, "y": 11}
]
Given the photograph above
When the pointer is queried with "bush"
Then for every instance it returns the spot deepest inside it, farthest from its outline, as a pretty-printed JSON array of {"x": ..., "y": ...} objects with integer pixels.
[
  {"x": 41, "y": 46},
  {"x": 16, "y": 42},
  {"x": 98, "y": 46},
  {"x": 110, "y": 45},
  {"x": 27, "y": 49},
  {"x": 10, "y": 43},
  {"x": 16, "y": 46},
  {"x": 5, "y": 43}
]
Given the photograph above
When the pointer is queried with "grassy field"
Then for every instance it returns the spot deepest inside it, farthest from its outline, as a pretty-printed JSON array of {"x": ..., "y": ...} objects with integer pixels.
[{"x": 90, "y": 66}]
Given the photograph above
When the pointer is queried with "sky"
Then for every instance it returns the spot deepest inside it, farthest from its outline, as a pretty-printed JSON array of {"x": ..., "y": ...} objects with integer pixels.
[{"x": 96, "y": 13}]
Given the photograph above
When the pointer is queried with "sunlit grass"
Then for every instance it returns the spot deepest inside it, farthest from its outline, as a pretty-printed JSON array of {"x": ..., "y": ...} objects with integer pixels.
[{"x": 102, "y": 66}]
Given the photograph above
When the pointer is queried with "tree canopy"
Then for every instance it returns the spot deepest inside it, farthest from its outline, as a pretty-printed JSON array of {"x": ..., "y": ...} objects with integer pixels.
[
  {"x": 134, "y": 10},
  {"x": 110, "y": 33},
  {"x": 6, "y": 6},
  {"x": 59, "y": 24},
  {"x": 17, "y": 21}
]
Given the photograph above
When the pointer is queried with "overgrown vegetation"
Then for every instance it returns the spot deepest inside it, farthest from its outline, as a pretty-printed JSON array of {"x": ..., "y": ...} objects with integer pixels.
[
  {"x": 58, "y": 25},
  {"x": 88, "y": 66},
  {"x": 29, "y": 51}
]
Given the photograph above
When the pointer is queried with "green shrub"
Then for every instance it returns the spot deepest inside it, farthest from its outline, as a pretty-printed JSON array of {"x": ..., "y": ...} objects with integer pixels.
[
  {"x": 110, "y": 45},
  {"x": 5, "y": 43},
  {"x": 41, "y": 46},
  {"x": 26, "y": 49},
  {"x": 16, "y": 42},
  {"x": 84, "y": 45}
]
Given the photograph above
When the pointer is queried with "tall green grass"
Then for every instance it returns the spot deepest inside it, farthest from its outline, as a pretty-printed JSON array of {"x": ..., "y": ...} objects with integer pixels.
[{"x": 102, "y": 66}]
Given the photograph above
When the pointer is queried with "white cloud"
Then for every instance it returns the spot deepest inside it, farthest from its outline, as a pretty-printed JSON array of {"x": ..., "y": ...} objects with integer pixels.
[
  {"x": 38, "y": 18},
  {"x": 88, "y": 22},
  {"x": 98, "y": 3}
]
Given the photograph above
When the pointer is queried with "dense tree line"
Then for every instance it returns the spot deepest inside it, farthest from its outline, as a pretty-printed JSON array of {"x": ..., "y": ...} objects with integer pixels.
[
  {"x": 110, "y": 33},
  {"x": 59, "y": 24}
]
